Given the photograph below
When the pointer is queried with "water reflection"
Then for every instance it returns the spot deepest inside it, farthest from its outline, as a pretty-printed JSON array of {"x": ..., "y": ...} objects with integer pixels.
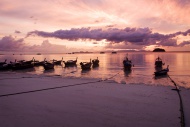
[
  {"x": 160, "y": 77},
  {"x": 39, "y": 70},
  {"x": 86, "y": 73},
  {"x": 127, "y": 72},
  {"x": 95, "y": 66},
  {"x": 142, "y": 72},
  {"x": 49, "y": 71}
]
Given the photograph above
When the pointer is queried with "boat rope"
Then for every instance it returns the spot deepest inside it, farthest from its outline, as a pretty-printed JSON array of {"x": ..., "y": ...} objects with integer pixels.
[
  {"x": 112, "y": 76},
  {"x": 181, "y": 102},
  {"x": 50, "y": 88}
]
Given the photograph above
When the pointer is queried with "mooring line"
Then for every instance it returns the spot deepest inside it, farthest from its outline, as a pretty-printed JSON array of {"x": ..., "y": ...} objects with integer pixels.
[
  {"x": 31, "y": 91},
  {"x": 181, "y": 102},
  {"x": 50, "y": 88}
]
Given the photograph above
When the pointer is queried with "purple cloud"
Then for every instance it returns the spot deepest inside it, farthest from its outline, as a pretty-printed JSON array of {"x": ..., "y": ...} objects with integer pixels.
[
  {"x": 184, "y": 43},
  {"x": 137, "y": 36},
  {"x": 8, "y": 43}
]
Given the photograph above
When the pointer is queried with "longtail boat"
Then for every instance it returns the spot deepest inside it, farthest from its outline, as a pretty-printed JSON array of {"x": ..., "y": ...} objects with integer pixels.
[
  {"x": 162, "y": 72},
  {"x": 48, "y": 65},
  {"x": 86, "y": 65},
  {"x": 95, "y": 62},
  {"x": 70, "y": 62},
  {"x": 127, "y": 64}
]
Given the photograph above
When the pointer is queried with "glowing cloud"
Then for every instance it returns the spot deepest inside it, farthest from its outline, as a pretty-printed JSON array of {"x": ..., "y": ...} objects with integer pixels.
[{"x": 137, "y": 36}]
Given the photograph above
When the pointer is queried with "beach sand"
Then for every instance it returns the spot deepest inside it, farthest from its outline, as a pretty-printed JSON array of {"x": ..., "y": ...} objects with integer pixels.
[{"x": 87, "y": 103}]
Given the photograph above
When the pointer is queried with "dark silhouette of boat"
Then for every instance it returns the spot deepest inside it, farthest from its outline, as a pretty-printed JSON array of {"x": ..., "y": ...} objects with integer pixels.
[
  {"x": 13, "y": 63},
  {"x": 4, "y": 66},
  {"x": 22, "y": 64},
  {"x": 29, "y": 61},
  {"x": 70, "y": 62},
  {"x": 162, "y": 72},
  {"x": 127, "y": 64},
  {"x": 48, "y": 65},
  {"x": 58, "y": 62},
  {"x": 95, "y": 62},
  {"x": 86, "y": 65},
  {"x": 158, "y": 62},
  {"x": 39, "y": 63}
]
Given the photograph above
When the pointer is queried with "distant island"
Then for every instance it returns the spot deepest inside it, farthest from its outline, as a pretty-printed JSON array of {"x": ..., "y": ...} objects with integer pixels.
[{"x": 158, "y": 50}]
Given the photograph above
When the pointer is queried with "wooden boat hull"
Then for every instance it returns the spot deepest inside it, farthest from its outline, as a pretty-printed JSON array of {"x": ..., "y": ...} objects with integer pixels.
[
  {"x": 86, "y": 66},
  {"x": 39, "y": 63},
  {"x": 95, "y": 63},
  {"x": 57, "y": 62},
  {"x": 22, "y": 66},
  {"x": 160, "y": 73},
  {"x": 67, "y": 64},
  {"x": 48, "y": 66},
  {"x": 4, "y": 67}
]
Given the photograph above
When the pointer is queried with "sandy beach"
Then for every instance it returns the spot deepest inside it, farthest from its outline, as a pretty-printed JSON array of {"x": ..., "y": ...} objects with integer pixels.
[{"x": 54, "y": 101}]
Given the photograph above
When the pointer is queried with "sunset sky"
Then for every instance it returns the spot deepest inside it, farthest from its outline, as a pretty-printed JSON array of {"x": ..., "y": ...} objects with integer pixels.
[{"x": 94, "y": 25}]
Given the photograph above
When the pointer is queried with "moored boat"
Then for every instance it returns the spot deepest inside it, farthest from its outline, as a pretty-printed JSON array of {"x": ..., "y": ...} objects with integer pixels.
[
  {"x": 39, "y": 63},
  {"x": 127, "y": 64},
  {"x": 95, "y": 62},
  {"x": 162, "y": 72},
  {"x": 86, "y": 65},
  {"x": 58, "y": 62},
  {"x": 70, "y": 62},
  {"x": 29, "y": 61},
  {"x": 22, "y": 64},
  {"x": 48, "y": 65}
]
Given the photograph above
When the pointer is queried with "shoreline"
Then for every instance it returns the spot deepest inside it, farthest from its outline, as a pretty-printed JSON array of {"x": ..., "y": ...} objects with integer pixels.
[{"x": 92, "y": 103}]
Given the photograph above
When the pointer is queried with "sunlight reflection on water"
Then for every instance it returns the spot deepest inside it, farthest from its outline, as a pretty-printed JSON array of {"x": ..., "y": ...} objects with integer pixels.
[{"x": 111, "y": 64}]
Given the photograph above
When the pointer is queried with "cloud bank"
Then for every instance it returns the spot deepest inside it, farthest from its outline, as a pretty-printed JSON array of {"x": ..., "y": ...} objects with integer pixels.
[
  {"x": 9, "y": 43},
  {"x": 137, "y": 36}
]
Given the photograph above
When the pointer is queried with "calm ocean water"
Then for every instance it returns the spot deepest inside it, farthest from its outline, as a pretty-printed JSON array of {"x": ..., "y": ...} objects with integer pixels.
[{"x": 111, "y": 66}]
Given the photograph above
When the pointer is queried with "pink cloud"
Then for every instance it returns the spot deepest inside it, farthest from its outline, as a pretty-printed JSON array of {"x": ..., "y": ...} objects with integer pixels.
[{"x": 9, "y": 43}]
